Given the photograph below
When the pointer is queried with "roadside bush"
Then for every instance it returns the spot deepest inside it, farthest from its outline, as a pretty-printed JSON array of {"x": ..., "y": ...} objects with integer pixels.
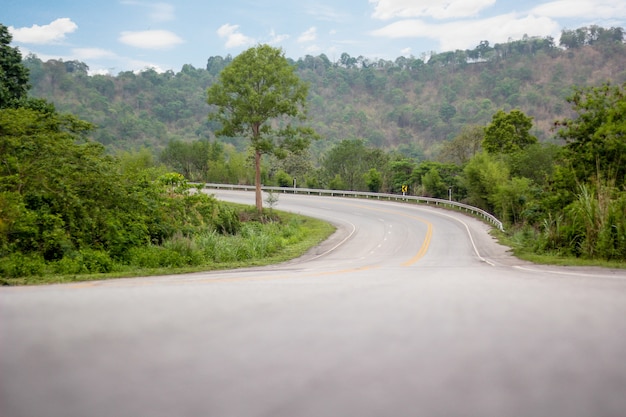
[
  {"x": 174, "y": 256},
  {"x": 19, "y": 265},
  {"x": 292, "y": 232},
  {"x": 96, "y": 261},
  {"x": 283, "y": 179},
  {"x": 183, "y": 251},
  {"x": 145, "y": 256},
  {"x": 68, "y": 265},
  {"x": 224, "y": 250},
  {"x": 227, "y": 221},
  {"x": 260, "y": 240}
]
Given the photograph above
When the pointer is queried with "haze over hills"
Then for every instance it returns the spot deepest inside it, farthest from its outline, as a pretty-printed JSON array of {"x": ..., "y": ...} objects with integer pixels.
[{"x": 410, "y": 104}]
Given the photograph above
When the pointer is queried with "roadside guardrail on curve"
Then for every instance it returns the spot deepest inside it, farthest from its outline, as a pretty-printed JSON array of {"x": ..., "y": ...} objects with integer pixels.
[{"x": 362, "y": 194}]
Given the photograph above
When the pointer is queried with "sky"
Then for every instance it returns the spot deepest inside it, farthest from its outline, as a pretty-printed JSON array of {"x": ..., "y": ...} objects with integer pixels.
[{"x": 112, "y": 36}]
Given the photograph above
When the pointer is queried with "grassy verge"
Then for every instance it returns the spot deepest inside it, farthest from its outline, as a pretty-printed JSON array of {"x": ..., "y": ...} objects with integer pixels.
[
  {"x": 523, "y": 252},
  {"x": 258, "y": 244}
]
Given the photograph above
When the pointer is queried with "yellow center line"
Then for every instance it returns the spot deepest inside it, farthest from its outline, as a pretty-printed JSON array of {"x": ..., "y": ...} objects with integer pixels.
[
  {"x": 429, "y": 231},
  {"x": 419, "y": 255},
  {"x": 423, "y": 248}
]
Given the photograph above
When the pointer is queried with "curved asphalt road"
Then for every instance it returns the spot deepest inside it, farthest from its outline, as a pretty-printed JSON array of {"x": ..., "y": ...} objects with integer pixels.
[{"x": 406, "y": 311}]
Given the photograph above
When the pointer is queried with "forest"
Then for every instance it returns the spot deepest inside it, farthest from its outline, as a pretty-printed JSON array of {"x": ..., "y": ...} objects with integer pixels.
[
  {"x": 532, "y": 131},
  {"x": 412, "y": 105}
]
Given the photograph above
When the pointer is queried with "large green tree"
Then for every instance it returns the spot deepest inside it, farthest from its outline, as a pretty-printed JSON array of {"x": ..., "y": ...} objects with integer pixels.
[
  {"x": 508, "y": 132},
  {"x": 597, "y": 136},
  {"x": 259, "y": 96},
  {"x": 351, "y": 160},
  {"x": 13, "y": 75}
]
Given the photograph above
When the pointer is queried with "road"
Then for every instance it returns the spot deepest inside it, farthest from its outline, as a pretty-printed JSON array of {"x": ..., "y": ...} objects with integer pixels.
[{"x": 406, "y": 311}]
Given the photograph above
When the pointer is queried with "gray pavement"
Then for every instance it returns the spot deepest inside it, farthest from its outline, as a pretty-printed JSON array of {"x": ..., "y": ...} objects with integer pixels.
[{"x": 406, "y": 311}]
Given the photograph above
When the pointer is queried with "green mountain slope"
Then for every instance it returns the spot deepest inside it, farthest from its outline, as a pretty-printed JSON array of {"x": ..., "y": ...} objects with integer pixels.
[{"x": 406, "y": 104}]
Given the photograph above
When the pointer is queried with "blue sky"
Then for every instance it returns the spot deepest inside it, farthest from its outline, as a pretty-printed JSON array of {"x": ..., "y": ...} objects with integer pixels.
[{"x": 129, "y": 35}]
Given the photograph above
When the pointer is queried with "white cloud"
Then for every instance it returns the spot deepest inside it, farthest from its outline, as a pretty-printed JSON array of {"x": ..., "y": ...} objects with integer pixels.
[
  {"x": 438, "y": 9},
  {"x": 585, "y": 9},
  {"x": 234, "y": 38},
  {"x": 151, "y": 39},
  {"x": 124, "y": 64},
  {"x": 53, "y": 33},
  {"x": 309, "y": 35},
  {"x": 406, "y": 52},
  {"x": 466, "y": 34},
  {"x": 146, "y": 66},
  {"x": 276, "y": 39}
]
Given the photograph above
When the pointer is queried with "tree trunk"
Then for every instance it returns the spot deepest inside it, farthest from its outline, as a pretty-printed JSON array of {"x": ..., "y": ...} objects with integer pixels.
[{"x": 257, "y": 181}]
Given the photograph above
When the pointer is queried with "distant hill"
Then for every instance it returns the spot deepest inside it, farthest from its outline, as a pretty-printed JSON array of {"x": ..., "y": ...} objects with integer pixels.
[{"x": 410, "y": 104}]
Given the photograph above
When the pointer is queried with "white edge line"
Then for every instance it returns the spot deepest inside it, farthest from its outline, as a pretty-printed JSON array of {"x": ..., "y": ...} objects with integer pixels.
[
  {"x": 337, "y": 245},
  {"x": 571, "y": 273},
  {"x": 469, "y": 233}
]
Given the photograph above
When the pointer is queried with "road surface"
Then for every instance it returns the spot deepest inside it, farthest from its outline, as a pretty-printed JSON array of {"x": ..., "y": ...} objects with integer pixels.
[{"x": 406, "y": 311}]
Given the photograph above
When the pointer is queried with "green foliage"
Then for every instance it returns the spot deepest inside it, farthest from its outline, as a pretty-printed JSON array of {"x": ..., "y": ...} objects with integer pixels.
[
  {"x": 283, "y": 179},
  {"x": 434, "y": 179},
  {"x": 257, "y": 89},
  {"x": 349, "y": 98},
  {"x": 598, "y": 217},
  {"x": 227, "y": 221},
  {"x": 374, "y": 180},
  {"x": 52, "y": 210},
  {"x": 596, "y": 138},
  {"x": 19, "y": 265},
  {"x": 189, "y": 159},
  {"x": 537, "y": 162},
  {"x": 66, "y": 207},
  {"x": 401, "y": 171},
  {"x": 337, "y": 183},
  {"x": 508, "y": 132},
  {"x": 433, "y": 184},
  {"x": 14, "y": 83},
  {"x": 484, "y": 175},
  {"x": 590, "y": 35},
  {"x": 464, "y": 146},
  {"x": 349, "y": 163}
]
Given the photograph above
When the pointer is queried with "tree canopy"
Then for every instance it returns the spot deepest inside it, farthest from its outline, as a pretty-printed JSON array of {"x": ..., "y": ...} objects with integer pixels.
[
  {"x": 597, "y": 137},
  {"x": 259, "y": 96},
  {"x": 508, "y": 132},
  {"x": 14, "y": 82}
]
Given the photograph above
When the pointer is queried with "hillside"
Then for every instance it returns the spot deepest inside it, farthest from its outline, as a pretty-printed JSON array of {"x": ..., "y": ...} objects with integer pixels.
[{"x": 407, "y": 104}]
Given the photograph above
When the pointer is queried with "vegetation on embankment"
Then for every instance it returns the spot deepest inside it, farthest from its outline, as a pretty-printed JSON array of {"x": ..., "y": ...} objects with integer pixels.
[
  {"x": 69, "y": 211},
  {"x": 279, "y": 238}
]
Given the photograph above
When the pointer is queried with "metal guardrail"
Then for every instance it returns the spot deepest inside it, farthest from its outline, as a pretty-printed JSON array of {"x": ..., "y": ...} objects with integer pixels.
[{"x": 362, "y": 194}]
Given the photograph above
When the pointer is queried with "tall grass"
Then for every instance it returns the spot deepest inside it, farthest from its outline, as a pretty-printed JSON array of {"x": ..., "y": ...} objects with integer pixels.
[
  {"x": 256, "y": 243},
  {"x": 593, "y": 226},
  {"x": 598, "y": 215}
]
